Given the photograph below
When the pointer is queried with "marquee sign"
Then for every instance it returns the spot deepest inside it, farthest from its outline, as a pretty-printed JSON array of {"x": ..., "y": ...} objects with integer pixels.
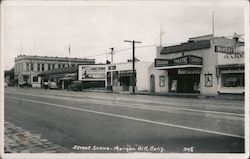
[
  {"x": 189, "y": 71},
  {"x": 228, "y": 50},
  {"x": 184, "y": 60}
]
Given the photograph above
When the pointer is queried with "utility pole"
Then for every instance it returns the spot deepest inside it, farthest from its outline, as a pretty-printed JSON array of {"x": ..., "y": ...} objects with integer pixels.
[
  {"x": 133, "y": 53},
  {"x": 161, "y": 36},
  {"x": 30, "y": 72},
  {"x": 111, "y": 67},
  {"x": 69, "y": 57},
  {"x": 213, "y": 23}
]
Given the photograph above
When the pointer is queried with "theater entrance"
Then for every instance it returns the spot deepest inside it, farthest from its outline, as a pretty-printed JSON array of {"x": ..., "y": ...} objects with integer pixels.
[{"x": 184, "y": 80}]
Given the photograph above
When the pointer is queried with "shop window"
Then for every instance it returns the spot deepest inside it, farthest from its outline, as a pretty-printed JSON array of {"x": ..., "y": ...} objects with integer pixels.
[
  {"x": 162, "y": 81},
  {"x": 208, "y": 80},
  {"x": 233, "y": 80},
  {"x": 35, "y": 79}
]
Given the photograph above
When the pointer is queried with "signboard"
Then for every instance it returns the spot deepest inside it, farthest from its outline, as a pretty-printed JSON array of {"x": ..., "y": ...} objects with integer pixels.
[
  {"x": 187, "y": 47},
  {"x": 229, "y": 55},
  {"x": 161, "y": 62},
  {"x": 189, "y": 71},
  {"x": 91, "y": 72},
  {"x": 180, "y": 61},
  {"x": 184, "y": 60},
  {"x": 228, "y": 50}
]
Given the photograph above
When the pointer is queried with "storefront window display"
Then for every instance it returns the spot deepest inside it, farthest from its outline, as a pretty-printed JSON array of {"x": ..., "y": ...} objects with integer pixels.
[
  {"x": 208, "y": 80},
  {"x": 233, "y": 80}
]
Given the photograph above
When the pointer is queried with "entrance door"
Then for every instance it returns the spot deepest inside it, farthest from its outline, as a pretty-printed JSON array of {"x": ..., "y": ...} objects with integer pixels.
[
  {"x": 188, "y": 83},
  {"x": 152, "y": 83}
]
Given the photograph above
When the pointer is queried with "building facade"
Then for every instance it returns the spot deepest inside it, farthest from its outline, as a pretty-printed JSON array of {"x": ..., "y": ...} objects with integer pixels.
[
  {"x": 27, "y": 67},
  {"x": 206, "y": 65},
  {"x": 122, "y": 76}
]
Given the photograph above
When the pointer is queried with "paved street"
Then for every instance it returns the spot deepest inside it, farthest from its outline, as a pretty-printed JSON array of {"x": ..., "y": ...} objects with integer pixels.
[{"x": 107, "y": 122}]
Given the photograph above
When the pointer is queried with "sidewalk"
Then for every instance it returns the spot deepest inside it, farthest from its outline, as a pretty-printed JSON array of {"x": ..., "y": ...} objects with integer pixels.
[
  {"x": 18, "y": 140},
  {"x": 178, "y": 95}
]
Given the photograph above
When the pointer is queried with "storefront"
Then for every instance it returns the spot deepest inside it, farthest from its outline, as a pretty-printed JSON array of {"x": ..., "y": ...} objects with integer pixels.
[
  {"x": 183, "y": 73},
  {"x": 184, "y": 80},
  {"x": 230, "y": 69},
  {"x": 206, "y": 65},
  {"x": 122, "y": 76},
  {"x": 122, "y": 80},
  {"x": 63, "y": 77}
]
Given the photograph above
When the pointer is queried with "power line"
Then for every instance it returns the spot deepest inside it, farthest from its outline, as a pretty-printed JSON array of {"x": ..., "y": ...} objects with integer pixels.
[{"x": 146, "y": 46}]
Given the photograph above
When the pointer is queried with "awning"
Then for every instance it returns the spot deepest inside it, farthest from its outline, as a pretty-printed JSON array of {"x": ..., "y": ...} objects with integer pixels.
[
  {"x": 231, "y": 66},
  {"x": 66, "y": 78},
  {"x": 179, "y": 66}
]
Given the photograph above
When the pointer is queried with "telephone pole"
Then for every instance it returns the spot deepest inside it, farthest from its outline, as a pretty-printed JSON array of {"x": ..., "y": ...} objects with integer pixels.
[
  {"x": 111, "y": 67},
  {"x": 213, "y": 23},
  {"x": 133, "y": 53}
]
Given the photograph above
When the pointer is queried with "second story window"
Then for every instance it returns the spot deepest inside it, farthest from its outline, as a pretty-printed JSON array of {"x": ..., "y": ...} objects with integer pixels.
[
  {"x": 27, "y": 66},
  {"x": 49, "y": 67},
  {"x": 53, "y": 66},
  {"x": 32, "y": 66},
  {"x": 38, "y": 67},
  {"x": 42, "y": 67}
]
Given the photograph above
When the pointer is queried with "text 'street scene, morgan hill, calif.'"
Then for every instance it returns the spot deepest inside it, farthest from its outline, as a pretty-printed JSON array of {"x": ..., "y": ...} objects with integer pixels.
[{"x": 124, "y": 77}]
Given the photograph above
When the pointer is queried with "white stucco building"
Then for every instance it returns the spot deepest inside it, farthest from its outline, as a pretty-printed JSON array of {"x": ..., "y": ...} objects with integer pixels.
[{"x": 205, "y": 65}]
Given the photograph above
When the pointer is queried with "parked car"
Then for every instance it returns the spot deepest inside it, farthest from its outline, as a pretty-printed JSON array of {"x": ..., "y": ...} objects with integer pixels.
[
  {"x": 25, "y": 85},
  {"x": 52, "y": 85},
  {"x": 75, "y": 86},
  {"x": 45, "y": 85}
]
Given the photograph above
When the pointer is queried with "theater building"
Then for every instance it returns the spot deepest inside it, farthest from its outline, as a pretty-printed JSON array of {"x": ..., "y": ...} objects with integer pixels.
[
  {"x": 28, "y": 67},
  {"x": 203, "y": 65}
]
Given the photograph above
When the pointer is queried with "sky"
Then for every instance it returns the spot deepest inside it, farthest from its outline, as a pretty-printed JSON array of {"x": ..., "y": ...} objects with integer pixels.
[{"x": 91, "y": 29}]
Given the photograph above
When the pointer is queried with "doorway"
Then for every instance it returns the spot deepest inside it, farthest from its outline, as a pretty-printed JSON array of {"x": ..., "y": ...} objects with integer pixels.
[{"x": 152, "y": 83}]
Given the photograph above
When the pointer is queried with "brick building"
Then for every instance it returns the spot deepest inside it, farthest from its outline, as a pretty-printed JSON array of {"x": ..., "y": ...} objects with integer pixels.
[{"x": 27, "y": 67}]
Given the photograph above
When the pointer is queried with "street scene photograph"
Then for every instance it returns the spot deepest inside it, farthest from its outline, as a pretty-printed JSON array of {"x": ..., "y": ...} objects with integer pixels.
[{"x": 120, "y": 78}]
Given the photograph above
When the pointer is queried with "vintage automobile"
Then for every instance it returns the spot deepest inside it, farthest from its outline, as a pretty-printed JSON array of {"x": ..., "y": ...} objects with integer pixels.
[
  {"x": 25, "y": 85},
  {"x": 45, "y": 85},
  {"x": 52, "y": 85},
  {"x": 75, "y": 86}
]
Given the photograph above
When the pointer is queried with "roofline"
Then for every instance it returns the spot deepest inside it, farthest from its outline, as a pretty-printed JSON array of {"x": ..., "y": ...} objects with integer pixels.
[
  {"x": 201, "y": 36},
  {"x": 49, "y": 57}
]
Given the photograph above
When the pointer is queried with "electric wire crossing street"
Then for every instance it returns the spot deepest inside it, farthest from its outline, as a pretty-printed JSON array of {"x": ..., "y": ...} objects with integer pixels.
[{"x": 94, "y": 122}]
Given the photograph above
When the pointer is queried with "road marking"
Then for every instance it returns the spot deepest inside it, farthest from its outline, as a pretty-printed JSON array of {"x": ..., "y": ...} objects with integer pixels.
[
  {"x": 143, "y": 106},
  {"x": 130, "y": 118},
  {"x": 179, "y": 99}
]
